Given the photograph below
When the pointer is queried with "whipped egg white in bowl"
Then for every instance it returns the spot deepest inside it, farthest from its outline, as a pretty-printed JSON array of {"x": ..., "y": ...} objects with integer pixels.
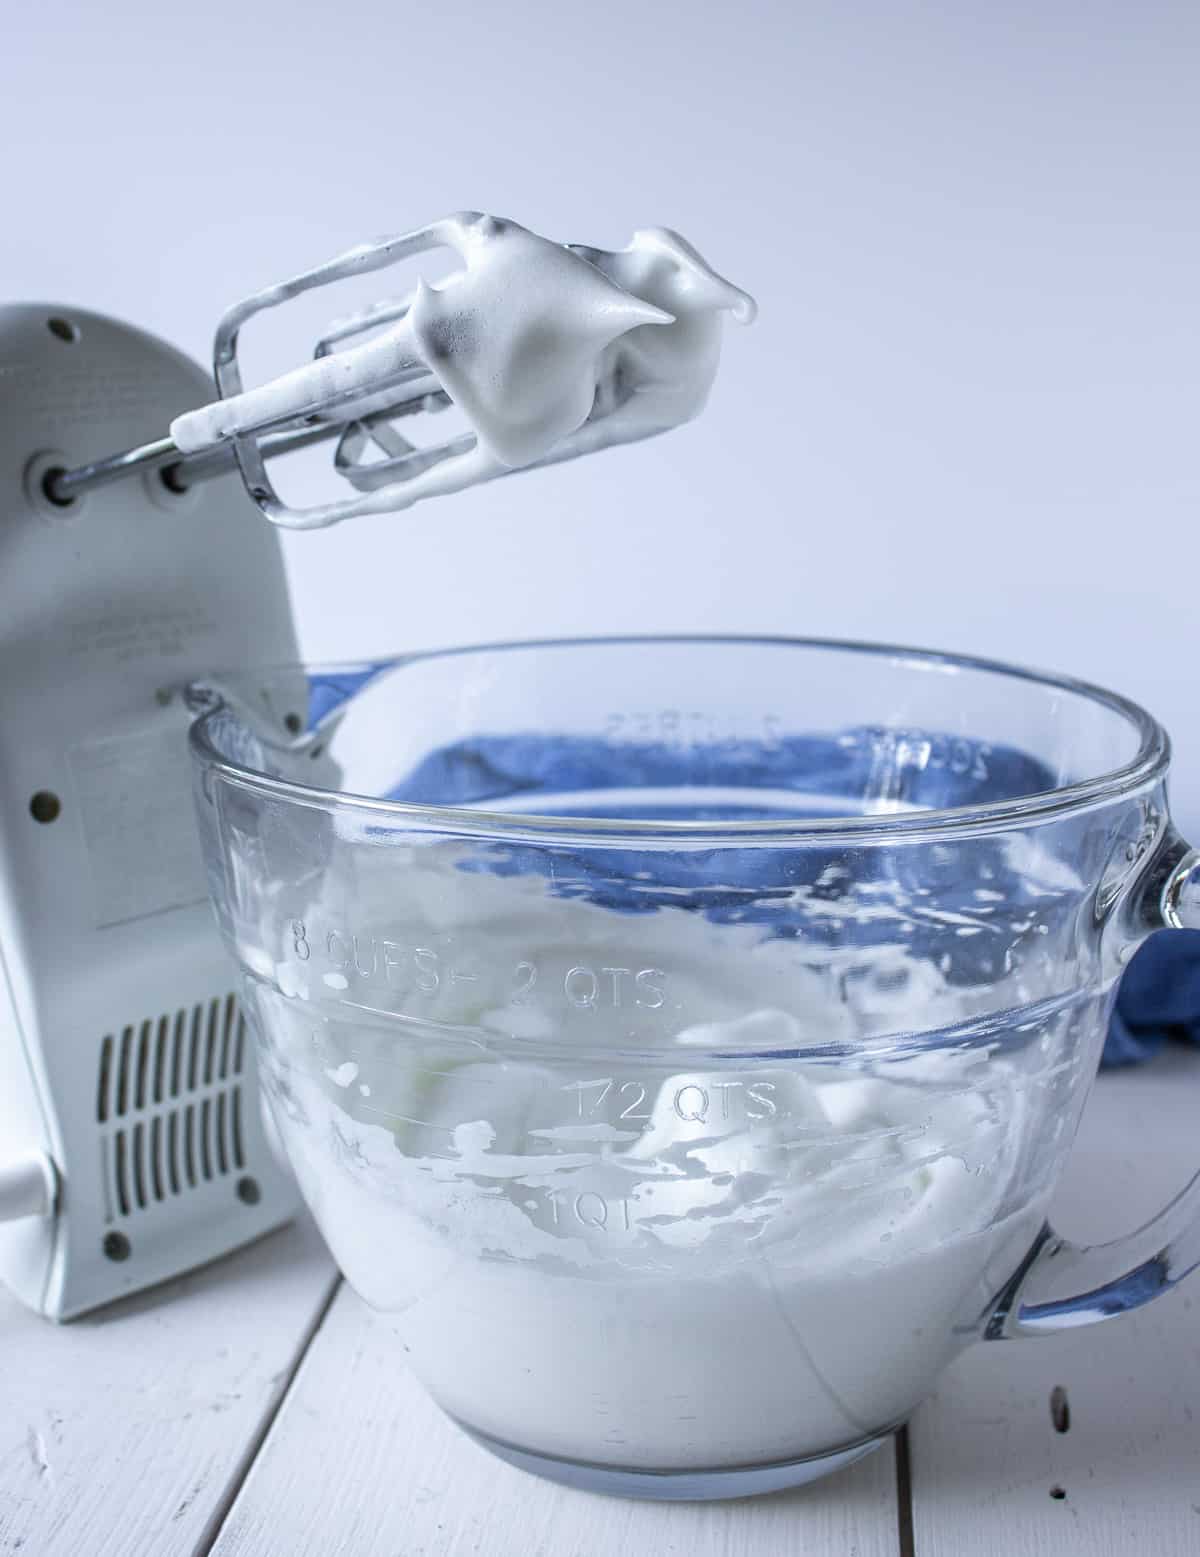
[{"x": 682, "y": 1037}]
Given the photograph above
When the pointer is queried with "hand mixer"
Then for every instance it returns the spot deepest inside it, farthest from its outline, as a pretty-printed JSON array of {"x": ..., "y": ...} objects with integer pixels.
[{"x": 132, "y": 1146}]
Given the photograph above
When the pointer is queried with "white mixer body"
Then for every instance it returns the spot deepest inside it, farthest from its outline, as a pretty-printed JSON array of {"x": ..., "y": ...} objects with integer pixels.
[{"x": 125, "y": 1067}]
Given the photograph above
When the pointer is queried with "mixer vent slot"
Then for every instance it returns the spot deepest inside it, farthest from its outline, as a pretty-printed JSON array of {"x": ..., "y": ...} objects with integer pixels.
[{"x": 169, "y": 1097}]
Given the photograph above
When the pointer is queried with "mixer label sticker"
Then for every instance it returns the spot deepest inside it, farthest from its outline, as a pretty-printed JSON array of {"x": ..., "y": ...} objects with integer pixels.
[
  {"x": 127, "y": 635},
  {"x": 82, "y": 395},
  {"x": 135, "y": 800}
]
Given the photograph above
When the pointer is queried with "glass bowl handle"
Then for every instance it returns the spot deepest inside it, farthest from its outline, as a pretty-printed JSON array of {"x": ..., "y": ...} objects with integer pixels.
[{"x": 1063, "y": 1285}]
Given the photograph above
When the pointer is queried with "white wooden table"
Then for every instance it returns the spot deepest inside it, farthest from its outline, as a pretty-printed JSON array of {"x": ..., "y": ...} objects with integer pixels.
[{"x": 258, "y": 1408}]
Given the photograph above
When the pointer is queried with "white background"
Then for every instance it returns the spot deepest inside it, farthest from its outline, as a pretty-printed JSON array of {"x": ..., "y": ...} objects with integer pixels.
[{"x": 966, "y": 417}]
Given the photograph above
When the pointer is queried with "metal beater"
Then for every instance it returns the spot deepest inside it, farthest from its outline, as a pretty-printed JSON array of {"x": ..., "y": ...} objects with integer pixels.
[{"x": 368, "y": 374}]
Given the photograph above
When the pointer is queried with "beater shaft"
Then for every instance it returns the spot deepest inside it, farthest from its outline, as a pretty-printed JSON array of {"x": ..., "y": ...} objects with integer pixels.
[{"x": 164, "y": 454}]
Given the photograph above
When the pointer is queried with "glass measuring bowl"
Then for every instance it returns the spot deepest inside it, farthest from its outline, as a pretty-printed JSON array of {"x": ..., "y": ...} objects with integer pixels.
[{"x": 683, "y": 1037}]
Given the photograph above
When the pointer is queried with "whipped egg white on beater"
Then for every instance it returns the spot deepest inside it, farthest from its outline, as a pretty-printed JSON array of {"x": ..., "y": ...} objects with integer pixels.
[{"x": 550, "y": 350}]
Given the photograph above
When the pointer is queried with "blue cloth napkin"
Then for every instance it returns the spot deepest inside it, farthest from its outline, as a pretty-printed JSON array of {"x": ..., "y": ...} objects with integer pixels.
[{"x": 1159, "y": 996}]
